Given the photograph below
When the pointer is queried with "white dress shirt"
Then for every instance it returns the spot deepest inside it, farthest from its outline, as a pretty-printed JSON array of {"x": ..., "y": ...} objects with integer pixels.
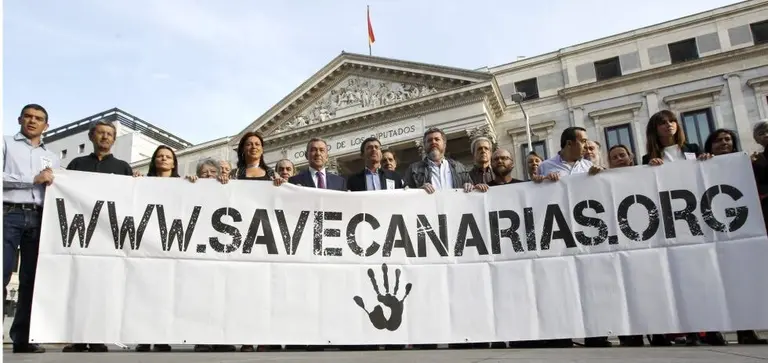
[{"x": 314, "y": 171}]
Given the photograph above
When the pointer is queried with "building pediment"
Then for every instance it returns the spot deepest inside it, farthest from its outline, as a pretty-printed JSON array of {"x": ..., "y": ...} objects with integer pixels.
[
  {"x": 353, "y": 87},
  {"x": 355, "y": 94}
]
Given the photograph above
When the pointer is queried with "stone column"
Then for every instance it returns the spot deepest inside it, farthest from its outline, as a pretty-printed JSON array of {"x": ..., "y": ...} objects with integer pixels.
[
  {"x": 577, "y": 115},
  {"x": 551, "y": 147},
  {"x": 332, "y": 166},
  {"x": 652, "y": 102},
  {"x": 760, "y": 86},
  {"x": 598, "y": 128},
  {"x": 638, "y": 127},
  {"x": 418, "y": 144},
  {"x": 740, "y": 114}
]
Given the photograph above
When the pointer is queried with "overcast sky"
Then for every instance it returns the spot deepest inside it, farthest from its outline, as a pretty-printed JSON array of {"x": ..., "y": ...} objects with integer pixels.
[{"x": 204, "y": 69}]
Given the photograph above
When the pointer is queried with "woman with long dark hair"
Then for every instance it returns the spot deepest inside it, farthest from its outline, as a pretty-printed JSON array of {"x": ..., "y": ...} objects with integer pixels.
[
  {"x": 665, "y": 141},
  {"x": 250, "y": 159},
  {"x": 251, "y": 166},
  {"x": 721, "y": 141},
  {"x": 162, "y": 164}
]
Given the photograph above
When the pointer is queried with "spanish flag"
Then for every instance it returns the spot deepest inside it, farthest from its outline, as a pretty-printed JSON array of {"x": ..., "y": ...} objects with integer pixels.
[{"x": 371, "y": 37}]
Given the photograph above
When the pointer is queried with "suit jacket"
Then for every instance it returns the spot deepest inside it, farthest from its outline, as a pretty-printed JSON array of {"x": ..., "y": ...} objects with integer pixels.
[
  {"x": 332, "y": 181},
  {"x": 687, "y": 148},
  {"x": 357, "y": 182}
]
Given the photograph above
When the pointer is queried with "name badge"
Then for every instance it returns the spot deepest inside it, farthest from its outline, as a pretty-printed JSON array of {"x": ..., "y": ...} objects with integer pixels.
[
  {"x": 390, "y": 184},
  {"x": 690, "y": 156},
  {"x": 46, "y": 162}
]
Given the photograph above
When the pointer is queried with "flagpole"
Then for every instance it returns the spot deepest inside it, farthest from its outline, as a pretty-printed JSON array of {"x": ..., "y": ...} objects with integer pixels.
[{"x": 368, "y": 15}]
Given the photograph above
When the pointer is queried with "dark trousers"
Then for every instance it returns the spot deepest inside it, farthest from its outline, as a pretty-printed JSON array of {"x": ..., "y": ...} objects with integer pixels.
[{"x": 21, "y": 230}]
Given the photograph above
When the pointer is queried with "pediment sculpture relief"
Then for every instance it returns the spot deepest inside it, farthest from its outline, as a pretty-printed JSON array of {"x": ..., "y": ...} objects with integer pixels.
[{"x": 353, "y": 95}]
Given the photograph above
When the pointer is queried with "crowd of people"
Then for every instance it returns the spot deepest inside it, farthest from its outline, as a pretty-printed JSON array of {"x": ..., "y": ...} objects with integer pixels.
[{"x": 29, "y": 167}]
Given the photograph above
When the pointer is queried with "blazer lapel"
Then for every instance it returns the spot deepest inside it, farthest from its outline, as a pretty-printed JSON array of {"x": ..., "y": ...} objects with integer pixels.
[
  {"x": 308, "y": 178},
  {"x": 382, "y": 179}
]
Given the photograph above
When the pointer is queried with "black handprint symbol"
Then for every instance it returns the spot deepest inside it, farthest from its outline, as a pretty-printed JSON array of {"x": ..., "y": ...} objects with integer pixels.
[{"x": 389, "y": 300}]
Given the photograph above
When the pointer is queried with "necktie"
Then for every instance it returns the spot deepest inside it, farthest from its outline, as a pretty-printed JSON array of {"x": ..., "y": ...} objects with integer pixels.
[{"x": 320, "y": 180}]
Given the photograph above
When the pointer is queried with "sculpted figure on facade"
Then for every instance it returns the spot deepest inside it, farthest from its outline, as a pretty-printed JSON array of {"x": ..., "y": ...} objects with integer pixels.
[
  {"x": 482, "y": 131},
  {"x": 354, "y": 95}
]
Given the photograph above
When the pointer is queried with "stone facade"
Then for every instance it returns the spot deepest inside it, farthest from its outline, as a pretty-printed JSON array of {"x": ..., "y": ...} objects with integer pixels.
[{"x": 709, "y": 68}]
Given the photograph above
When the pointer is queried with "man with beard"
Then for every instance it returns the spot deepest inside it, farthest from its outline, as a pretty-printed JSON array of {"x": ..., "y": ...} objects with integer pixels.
[
  {"x": 373, "y": 176},
  {"x": 436, "y": 172},
  {"x": 481, "y": 148},
  {"x": 592, "y": 152},
  {"x": 102, "y": 136},
  {"x": 27, "y": 170},
  {"x": 502, "y": 164}
]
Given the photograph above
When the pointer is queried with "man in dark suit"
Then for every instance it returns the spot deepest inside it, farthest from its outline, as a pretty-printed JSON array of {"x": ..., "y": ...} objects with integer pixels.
[
  {"x": 102, "y": 135},
  {"x": 373, "y": 176},
  {"x": 315, "y": 176}
]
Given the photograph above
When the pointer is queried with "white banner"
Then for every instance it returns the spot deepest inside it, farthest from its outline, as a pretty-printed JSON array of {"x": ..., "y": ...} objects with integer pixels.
[{"x": 675, "y": 248}]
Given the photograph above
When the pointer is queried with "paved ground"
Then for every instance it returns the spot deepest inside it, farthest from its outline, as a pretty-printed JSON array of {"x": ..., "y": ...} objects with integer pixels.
[
  {"x": 729, "y": 354},
  {"x": 733, "y": 353}
]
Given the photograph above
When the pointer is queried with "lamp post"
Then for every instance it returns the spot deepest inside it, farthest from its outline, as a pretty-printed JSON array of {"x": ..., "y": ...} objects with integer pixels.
[{"x": 518, "y": 98}]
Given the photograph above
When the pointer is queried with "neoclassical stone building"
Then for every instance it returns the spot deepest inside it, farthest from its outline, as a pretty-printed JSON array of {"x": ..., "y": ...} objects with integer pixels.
[{"x": 709, "y": 68}]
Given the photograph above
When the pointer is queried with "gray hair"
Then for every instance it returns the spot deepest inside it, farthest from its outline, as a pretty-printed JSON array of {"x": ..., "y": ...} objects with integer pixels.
[
  {"x": 314, "y": 139},
  {"x": 760, "y": 127},
  {"x": 208, "y": 161},
  {"x": 473, "y": 145},
  {"x": 277, "y": 164},
  {"x": 101, "y": 123}
]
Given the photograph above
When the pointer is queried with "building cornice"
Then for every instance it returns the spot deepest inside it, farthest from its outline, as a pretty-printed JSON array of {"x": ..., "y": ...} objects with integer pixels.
[
  {"x": 630, "y": 36},
  {"x": 758, "y": 82},
  {"x": 531, "y": 104},
  {"x": 541, "y": 126},
  {"x": 639, "y": 77},
  {"x": 123, "y": 118},
  {"x": 632, "y": 107},
  {"x": 699, "y": 93}
]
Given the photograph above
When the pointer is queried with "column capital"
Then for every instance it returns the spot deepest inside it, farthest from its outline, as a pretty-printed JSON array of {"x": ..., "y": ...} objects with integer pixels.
[
  {"x": 332, "y": 165},
  {"x": 735, "y": 75},
  {"x": 671, "y": 105},
  {"x": 650, "y": 92},
  {"x": 419, "y": 145},
  {"x": 481, "y": 131}
]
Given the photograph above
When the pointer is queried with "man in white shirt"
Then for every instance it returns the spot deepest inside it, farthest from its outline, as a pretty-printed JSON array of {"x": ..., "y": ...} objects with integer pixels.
[{"x": 570, "y": 159}]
